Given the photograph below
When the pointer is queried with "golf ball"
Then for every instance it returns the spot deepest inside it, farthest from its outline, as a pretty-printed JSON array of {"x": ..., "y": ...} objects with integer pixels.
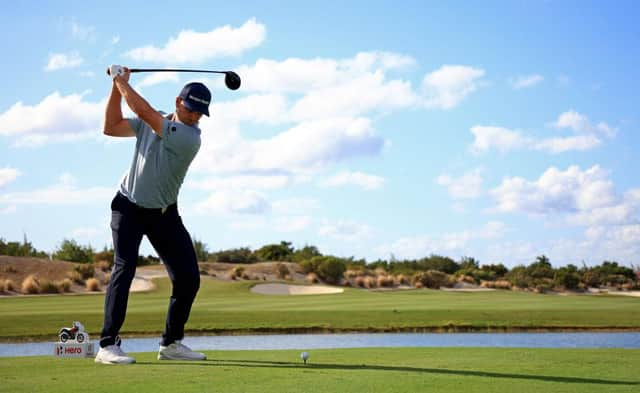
[{"x": 304, "y": 356}]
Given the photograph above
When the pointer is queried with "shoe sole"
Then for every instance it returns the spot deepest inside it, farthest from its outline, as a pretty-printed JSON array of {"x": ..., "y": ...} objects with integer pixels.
[
  {"x": 165, "y": 357},
  {"x": 107, "y": 362}
]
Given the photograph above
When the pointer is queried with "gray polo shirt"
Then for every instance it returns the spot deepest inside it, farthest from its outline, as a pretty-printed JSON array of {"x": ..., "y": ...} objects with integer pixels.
[{"x": 159, "y": 164}]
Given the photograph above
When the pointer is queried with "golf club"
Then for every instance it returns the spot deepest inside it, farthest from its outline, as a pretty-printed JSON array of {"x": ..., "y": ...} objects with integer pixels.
[{"x": 231, "y": 79}]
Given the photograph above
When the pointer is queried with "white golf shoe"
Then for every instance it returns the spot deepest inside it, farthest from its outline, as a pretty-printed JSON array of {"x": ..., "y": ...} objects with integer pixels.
[
  {"x": 179, "y": 351},
  {"x": 113, "y": 354}
]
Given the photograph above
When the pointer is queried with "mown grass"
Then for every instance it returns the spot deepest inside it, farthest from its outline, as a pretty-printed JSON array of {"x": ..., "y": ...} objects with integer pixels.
[
  {"x": 342, "y": 370},
  {"x": 230, "y": 307}
]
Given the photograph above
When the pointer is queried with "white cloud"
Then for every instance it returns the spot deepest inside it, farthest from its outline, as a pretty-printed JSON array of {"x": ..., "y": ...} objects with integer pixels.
[
  {"x": 360, "y": 179},
  {"x": 235, "y": 202},
  {"x": 503, "y": 139},
  {"x": 450, "y": 84},
  {"x": 8, "y": 175},
  {"x": 115, "y": 39},
  {"x": 354, "y": 97},
  {"x": 579, "y": 197},
  {"x": 65, "y": 192},
  {"x": 157, "y": 78},
  {"x": 305, "y": 147},
  {"x": 345, "y": 230},
  {"x": 240, "y": 182},
  {"x": 195, "y": 48},
  {"x": 58, "y": 61},
  {"x": 295, "y": 75},
  {"x": 522, "y": 82},
  {"x": 56, "y": 118},
  {"x": 580, "y": 123},
  {"x": 561, "y": 145},
  {"x": 419, "y": 246},
  {"x": 467, "y": 186}
]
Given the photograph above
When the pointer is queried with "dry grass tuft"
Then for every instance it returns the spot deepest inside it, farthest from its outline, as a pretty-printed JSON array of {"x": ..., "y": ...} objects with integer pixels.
[
  {"x": 47, "y": 286},
  {"x": 9, "y": 285},
  {"x": 92, "y": 285},
  {"x": 65, "y": 285},
  {"x": 30, "y": 285},
  {"x": 384, "y": 281},
  {"x": 76, "y": 277},
  {"x": 499, "y": 284}
]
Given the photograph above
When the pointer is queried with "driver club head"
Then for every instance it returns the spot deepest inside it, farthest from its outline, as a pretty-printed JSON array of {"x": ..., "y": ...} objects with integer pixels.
[{"x": 232, "y": 80}]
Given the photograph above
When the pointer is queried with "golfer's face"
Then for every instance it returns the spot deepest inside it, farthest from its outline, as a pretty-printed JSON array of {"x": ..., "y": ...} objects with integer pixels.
[{"x": 186, "y": 116}]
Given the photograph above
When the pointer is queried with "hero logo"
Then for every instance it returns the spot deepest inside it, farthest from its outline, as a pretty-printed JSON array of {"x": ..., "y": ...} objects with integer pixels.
[{"x": 73, "y": 350}]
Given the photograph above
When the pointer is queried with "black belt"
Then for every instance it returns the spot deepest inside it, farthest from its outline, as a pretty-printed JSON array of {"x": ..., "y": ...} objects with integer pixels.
[{"x": 160, "y": 210}]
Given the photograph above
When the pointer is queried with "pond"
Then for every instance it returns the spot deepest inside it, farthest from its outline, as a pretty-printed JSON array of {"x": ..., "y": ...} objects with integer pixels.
[{"x": 324, "y": 341}]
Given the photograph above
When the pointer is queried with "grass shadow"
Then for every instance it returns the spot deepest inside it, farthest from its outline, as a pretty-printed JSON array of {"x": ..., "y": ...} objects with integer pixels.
[{"x": 358, "y": 367}]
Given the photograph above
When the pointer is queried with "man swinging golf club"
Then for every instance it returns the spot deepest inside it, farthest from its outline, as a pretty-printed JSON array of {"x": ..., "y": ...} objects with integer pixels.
[{"x": 145, "y": 204}]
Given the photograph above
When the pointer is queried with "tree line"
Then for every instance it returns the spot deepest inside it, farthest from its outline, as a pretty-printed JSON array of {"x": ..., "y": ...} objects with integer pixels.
[{"x": 432, "y": 271}]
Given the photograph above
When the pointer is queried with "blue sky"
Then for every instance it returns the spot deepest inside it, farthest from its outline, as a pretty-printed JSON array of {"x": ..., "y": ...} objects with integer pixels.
[{"x": 498, "y": 130}]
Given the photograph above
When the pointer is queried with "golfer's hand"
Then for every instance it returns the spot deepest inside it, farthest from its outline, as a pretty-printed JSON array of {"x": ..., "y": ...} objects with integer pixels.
[{"x": 118, "y": 71}]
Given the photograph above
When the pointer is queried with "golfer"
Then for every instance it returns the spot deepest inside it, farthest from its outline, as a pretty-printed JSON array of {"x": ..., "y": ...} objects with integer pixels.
[{"x": 145, "y": 204}]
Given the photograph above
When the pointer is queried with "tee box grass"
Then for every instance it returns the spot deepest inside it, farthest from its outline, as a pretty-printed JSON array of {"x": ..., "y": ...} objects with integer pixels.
[{"x": 386, "y": 370}]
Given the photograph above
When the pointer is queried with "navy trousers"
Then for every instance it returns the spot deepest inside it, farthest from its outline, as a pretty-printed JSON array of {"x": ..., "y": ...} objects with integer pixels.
[{"x": 170, "y": 239}]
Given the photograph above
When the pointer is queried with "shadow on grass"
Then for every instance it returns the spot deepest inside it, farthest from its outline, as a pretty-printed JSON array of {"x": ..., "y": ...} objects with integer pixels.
[{"x": 357, "y": 367}]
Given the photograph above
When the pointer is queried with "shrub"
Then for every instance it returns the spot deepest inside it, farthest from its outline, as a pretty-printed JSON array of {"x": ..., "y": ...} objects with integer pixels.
[
  {"x": 47, "y": 286},
  {"x": 498, "y": 284},
  {"x": 370, "y": 282},
  {"x": 401, "y": 279},
  {"x": 65, "y": 285},
  {"x": 312, "y": 278},
  {"x": 360, "y": 281},
  {"x": 245, "y": 276},
  {"x": 71, "y": 251},
  {"x": 85, "y": 270},
  {"x": 10, "y": 269},
  {"x": 9, "y": 285},
  {"x": 566, "y": 279},
  {"x": 331, "y": 269},
  {"x": 310, "y": 265},
  {"x": 106, "y": 278},
  {"x": 92, "y": 285},
  {"x": 104, "y": 266},
  {"x": 236, "y": 255},
  {"x": 30, "y": 285},
  {"x": 275, "y": 252},
  {"x": 237, "y": 271},
  {"x": 75, "y": 277},
  {"x": 282, "y": 270},
  {"x": 433, "y": 279},
  {"x": 418, "y": 284},
  {"x": 2, "y": 285},
  {"x": 384, "y": 281}
]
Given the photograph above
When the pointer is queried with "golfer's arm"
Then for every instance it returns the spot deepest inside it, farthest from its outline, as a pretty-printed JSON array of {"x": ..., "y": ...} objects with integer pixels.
[
  {"x": 114, "y": 123},
  {"x": 140, "y": 106}
]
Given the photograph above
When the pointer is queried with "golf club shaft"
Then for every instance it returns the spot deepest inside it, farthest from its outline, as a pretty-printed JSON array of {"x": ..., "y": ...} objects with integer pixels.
[{"x": 173, "y": 70}]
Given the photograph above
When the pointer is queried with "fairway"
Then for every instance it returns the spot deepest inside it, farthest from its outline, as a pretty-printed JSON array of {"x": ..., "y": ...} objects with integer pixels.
[
  {"x": 230, "y": 307},
  {"x": 344, "y": 370}
]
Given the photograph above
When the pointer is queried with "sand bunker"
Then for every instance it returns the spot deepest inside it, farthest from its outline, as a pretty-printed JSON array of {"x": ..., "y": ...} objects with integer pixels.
[{"x": 284, "y": 289}]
